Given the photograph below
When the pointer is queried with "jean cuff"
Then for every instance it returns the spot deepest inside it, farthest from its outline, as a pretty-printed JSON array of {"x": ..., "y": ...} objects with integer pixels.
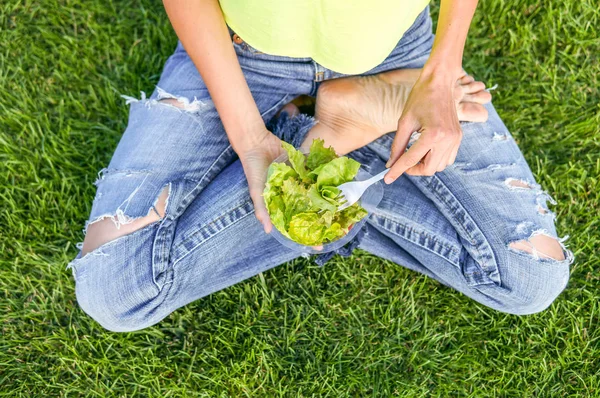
[{"x": 291, "y": 129}]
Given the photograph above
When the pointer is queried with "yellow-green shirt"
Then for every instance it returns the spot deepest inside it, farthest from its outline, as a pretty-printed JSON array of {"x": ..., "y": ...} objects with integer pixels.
[{"x": 346, "y": 36}]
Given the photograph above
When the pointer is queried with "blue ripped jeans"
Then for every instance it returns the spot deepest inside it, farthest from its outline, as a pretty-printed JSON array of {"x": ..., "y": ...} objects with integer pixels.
[{"x": 455, "y": 226}]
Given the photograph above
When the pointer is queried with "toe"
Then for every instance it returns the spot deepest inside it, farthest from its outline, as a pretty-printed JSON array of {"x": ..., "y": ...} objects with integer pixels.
[
  {"x": 466, "y": 79},
  {"x": 473, "y": 87},
  {"x": 480, "y": 97},
  {"x": 291, "y": 109},
  {"x": 472, "y": 112}
]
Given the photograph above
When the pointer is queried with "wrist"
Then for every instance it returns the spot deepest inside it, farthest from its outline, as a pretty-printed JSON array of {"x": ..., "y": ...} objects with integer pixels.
[
  {"x": 441, "y": 70},
  {"x": 246, "y": 135},
  {"x": 250, "y": 141}
]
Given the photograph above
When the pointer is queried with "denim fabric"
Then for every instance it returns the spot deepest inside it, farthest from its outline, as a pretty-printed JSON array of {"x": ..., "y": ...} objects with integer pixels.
[{"x": 455, "y": 226}]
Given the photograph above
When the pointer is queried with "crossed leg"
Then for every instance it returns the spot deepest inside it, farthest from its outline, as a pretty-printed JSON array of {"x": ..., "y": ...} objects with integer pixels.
[
  {"x": 352, "y": 112},
  {"x": 481, "y": 226},
  {"x": 469, "y": 227}
]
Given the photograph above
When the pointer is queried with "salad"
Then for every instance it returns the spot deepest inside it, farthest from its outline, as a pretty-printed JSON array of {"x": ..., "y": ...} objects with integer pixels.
[{"x": 302, "y": 197}]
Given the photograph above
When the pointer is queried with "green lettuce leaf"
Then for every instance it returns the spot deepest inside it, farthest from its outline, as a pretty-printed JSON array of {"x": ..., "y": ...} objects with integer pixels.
[
  {"x": 337, "y": 172},
  {"x": 278, "y": 172},
  {"x": 313, "y": 174},
  {"x": 297, "y": 159},
  {"x": 302, "y": 197},
  {"x": 331, "y": 195},
  {"x": 306, "y": 229},
  {"x": 278, "y": 220},
  {"x": 334, "y": 232},
  {"x": 327, "y": 217},
  {"x": 319, "y": 201},
  {"x": 319, "y": 155},
  {"x": 295, "y": 198},
  {"x": 350, "y": 216},
  {"x": 274, "y": 201}
]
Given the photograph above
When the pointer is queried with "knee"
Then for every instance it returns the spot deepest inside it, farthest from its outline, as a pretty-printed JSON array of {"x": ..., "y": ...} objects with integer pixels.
[
  {"x": 531, "y": 283},
  {"x": 119, "y": 285},
  {"x": 102, "y": 305},
  {"x": 117, "y": 304},
  {"x": 539, "y": 295},
  {"x": 114, "y": 276}
]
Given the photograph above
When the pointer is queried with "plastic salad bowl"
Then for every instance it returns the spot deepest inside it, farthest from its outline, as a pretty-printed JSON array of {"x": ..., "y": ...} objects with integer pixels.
[{"x": 368, "y": 201}]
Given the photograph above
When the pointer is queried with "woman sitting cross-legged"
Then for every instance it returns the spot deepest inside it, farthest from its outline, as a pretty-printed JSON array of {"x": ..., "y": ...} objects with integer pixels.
[{"x": 178, "y": 213}]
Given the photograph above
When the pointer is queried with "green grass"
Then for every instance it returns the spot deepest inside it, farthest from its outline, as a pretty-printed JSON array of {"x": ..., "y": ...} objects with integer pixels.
[{"x": 358, "y": 326}]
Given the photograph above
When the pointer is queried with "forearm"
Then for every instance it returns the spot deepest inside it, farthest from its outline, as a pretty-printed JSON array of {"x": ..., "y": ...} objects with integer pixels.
[
  {"x": 451, "y": 34},
  {"x": 200, "y": 26}
]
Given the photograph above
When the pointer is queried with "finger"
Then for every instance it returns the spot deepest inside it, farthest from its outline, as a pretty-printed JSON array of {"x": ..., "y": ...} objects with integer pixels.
[
  {"x": 428, "y": 165},
  {"x": 260, "y": 209},
  {"x": 409, "y": 159},
  {"x": 263, "y": 217},
  {"x": 444, "y": 159},
  {"x": 453, "y": 155},
  {"x": 405, "y": 128},
  {"x": 466, "y": 79},
  {"x": 450, "y": 157}
]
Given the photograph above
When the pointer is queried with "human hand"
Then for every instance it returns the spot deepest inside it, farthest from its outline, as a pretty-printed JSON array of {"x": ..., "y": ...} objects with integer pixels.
[
  {"x": 430, "y": 110},
  {"x": 256, "y": 158}
]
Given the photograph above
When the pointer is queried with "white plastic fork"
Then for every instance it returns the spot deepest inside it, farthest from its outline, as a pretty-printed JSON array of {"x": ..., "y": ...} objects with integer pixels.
[{"x": 352, "y": 191}]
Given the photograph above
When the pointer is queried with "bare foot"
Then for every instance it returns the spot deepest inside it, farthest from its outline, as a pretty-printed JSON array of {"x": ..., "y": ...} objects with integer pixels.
[{"x": 354, "y": 111}]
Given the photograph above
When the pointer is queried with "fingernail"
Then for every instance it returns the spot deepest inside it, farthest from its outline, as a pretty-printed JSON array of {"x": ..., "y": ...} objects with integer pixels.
[
  {"x": 388, "y": 180},
  {"x": 388, "y": 165},
  {"x": 267, "y": 228}
]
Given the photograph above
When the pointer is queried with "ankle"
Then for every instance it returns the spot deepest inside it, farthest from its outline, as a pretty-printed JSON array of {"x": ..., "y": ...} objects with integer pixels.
[{"x": 327, "y": 134}]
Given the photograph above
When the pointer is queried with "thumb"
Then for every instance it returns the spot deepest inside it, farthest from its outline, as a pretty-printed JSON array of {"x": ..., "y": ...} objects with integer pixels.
[{"x": 406, "y": 126}]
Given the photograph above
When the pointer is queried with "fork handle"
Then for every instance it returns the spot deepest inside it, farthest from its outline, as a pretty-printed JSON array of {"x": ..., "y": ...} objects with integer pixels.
[{"x": 377, "y": 177}]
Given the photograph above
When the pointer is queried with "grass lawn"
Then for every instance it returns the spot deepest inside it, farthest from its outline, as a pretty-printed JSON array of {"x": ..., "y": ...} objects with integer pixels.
[{"x": 356, "y": 327}]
